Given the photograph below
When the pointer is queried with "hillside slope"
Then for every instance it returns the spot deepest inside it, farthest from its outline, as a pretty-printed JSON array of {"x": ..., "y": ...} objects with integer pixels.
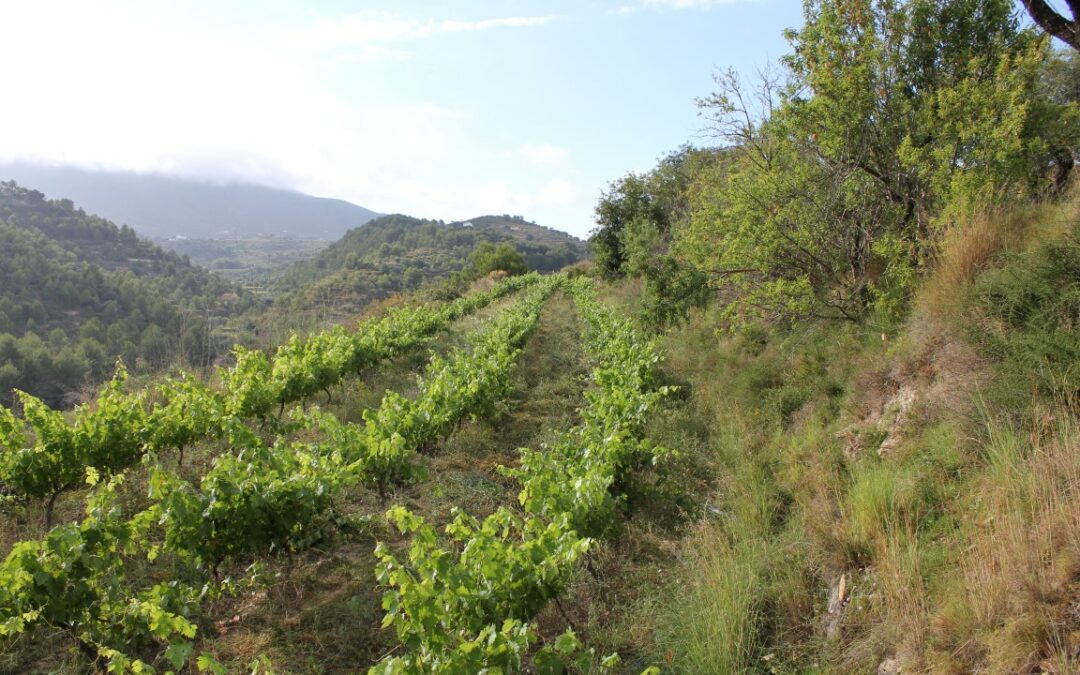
[
  {"x": 812, "y": 496},
  {"x": 397, "y": 252},
  {"x": 883, "y": 502},
  {"x": 76, "y": 291},
  {"x": 162, "y": 207}
]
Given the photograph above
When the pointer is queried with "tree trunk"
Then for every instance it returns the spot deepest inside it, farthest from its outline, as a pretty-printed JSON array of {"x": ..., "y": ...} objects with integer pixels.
[
  {"x": 91, "y": 652},
  {"x": 1066, "y": 30},
  {"x": 51, "y": 504},
  {"x": 1063, "y": 166}
]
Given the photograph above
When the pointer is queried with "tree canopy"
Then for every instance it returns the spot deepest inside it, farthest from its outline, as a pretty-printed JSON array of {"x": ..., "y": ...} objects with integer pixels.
[{"x": 837, "y": 171}]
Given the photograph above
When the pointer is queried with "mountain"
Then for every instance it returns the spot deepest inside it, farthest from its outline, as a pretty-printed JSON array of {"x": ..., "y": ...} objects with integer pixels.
[
  {"x": 77, "y": 291},
  {"x": 397, "y": 253},
  {"x": 162, "y": 207}
]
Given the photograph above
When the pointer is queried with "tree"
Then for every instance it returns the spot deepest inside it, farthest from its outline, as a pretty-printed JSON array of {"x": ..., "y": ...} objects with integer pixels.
[
  {"x": 626, "y": 205},
  {"x": 636, "y": 215},
  {"x": 1061, "y": 77},
  {"x": 892, "y": 116},
  {"x": 1061, "y": 85},
  {"x": 154, "y": 347},
  {"x": 488, "y": 257},
  {"x": 412, "y": 278},
  {"x": 1066, "y": 30}
]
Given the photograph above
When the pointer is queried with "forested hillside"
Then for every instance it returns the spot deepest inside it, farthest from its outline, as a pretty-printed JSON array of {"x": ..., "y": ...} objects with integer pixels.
[
  {"x": 77, "y": 292},
  {"x": 400, "y": 253}
]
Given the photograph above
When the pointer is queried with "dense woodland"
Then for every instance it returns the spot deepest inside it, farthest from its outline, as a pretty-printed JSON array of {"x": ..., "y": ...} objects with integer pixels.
[{"x": 80, "y": 292}]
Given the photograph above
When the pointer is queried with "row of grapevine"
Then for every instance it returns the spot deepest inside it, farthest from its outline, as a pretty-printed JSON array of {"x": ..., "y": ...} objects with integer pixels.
[
  {"x": 253, "y": 501},
  {"x": 75, "y": 579},
  {"x": 462, "y": 384},
  {"x": 304, "y": 367},
  {"x": 107, "y": 438},
  {"x": 42, "y": 455},
  {"x": 467, "y": 609},
  {"x": 261, "y": 498}
]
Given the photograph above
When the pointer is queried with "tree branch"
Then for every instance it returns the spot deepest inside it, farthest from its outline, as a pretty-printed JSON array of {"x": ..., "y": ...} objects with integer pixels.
[{"x": 1047, "y": 17}]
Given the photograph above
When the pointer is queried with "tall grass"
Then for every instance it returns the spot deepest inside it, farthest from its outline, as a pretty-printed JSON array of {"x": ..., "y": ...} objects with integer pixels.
[
  {"x": 959, "y": 547},
  {"x": 1014, "y": 591},
  {"x": 717, "y": 606}
]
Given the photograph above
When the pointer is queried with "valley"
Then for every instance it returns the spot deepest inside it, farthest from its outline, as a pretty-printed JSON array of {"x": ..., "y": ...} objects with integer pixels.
[{"x": 801, "y": 395}]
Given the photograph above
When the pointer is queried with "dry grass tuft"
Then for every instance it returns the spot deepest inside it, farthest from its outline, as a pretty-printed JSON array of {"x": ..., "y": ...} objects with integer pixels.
[
  {"x": 972, "y": 245},
  {"x": 1017, "y": 587}
]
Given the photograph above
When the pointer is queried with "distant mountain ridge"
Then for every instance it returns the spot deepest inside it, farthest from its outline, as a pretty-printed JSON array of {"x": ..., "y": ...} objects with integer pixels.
[{"x": 161, "y": 207}]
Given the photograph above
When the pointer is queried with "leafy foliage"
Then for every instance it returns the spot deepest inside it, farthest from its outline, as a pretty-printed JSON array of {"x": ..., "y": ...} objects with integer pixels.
[
  {"x": 467, "y": 608},
  {"x": 118, "y": 430},
  {"x": 79, "y": 291},
  {"x": 74, "y": 579},
  {"x": 836, "y": 175},
  {"x": 488, "y": 257},
  {"x": 256, "y": 500},
  {"x": 106, "y": 438},
  {"x": 637, "y": 213}
]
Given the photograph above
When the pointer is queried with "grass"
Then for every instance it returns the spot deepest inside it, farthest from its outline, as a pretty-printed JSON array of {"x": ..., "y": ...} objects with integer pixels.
[
  {"x": 1015, "y": 587},
  {"x": 722, "y": 590},
  {"x": 958, "y": 545}
]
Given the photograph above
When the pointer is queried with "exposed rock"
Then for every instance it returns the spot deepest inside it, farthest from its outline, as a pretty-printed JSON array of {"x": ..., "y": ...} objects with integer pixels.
[
  {"x": 838, "y": 599},
  {"x": 895, "y": 417},
  {"x": 852, "y": 439},
  {"x": 890, "y": 666},
  {"x": 887, "y": 420},
  {"x": 938, "y": 378}
]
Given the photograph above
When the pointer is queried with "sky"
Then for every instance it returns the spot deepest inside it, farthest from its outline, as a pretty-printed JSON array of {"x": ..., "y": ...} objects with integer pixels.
[{"x": 434, "y": 109}]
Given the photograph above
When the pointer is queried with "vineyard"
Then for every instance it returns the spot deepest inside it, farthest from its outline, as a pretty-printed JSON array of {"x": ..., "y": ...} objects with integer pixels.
[
  {"x": 161, "y": 510},
  {"x": 807, "y": 400}
]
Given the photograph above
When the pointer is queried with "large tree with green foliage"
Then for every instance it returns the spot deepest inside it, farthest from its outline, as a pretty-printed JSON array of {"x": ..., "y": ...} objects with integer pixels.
[
  {"x": 503, "y": 257},
  {"x": 636, "y": 218},
  {"x": 890, "y": 117}
]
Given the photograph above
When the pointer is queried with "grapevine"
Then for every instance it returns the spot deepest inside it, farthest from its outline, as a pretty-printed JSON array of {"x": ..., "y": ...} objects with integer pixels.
[{"x": 471, "y": 604}]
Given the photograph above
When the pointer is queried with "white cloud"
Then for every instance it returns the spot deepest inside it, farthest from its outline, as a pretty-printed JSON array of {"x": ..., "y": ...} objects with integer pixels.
[
  {"x": 692, "y": 4},
  {"x": 128, "y": 85},
  {"x": 138, "y": 90},
  {"x": 327, "y": 34},
  {"x": 544, "y": 153}
]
